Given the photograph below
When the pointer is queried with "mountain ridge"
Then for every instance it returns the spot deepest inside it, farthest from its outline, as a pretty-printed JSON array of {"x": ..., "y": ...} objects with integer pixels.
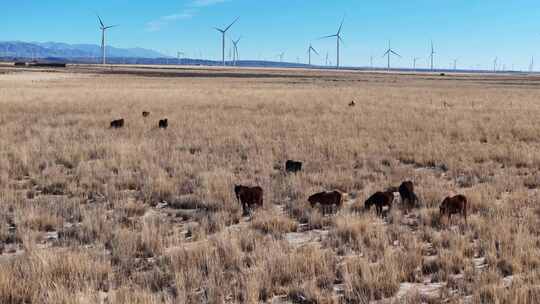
[{"x": 52, "y": 49}]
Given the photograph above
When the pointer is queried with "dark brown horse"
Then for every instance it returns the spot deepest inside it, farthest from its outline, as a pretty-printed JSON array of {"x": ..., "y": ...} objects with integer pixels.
[
  {"x": 248, "y": 197},
  {"x": 117, "y": 124},
  {"x": 454, "y": 205},
  {"x": 380, "y": 200},
  {"x": 327, "y": 200},
  {"x": 292, "y": 166},
  {"x": 163, "y": 123},
  {"x": 408, "y": 197}
]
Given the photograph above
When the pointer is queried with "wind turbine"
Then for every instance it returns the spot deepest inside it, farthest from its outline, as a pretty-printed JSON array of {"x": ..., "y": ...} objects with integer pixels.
[
  {"x": 103, "y": 29},
  {"x": 371, "y": 62},
  {"x": 495, "y": 64},
  {"x": 432, "y": 54},
  {"x": 235, "y": 49},
  {"x": 455, "y": 64},
  {"x": 281, "y": 56},
  {"x": 389, "y": 52},
  {"x": 338, "y": 40},
  {"x": 223, "y": 32},
  {"x": 326, "y": 61},
  {"x": 531, "y": 66},
  {"x": 309, "y": 53},
  {"x": 179, "y": 55},
  {"x": 415, "y": 59}
]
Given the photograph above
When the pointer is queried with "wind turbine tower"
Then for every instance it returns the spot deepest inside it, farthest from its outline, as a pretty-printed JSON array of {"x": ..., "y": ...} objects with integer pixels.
[
  {"x": 311, "y": 49},
  {"x": 338, "y": 40},
  {"x": 223, "y": 32},
  {"x": 179, "y": 56},
  {"x": 281, "y": 57},
  {"x": 432, "y": 54},
  {"x": 235, "y": 49},
  {"x": 103, "y": 44},
  {"x": 390, "y": 52}
]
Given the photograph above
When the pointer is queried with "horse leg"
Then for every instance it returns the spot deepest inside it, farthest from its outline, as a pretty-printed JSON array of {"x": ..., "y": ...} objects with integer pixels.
[
  {"x": 245, "y": 209},
  {"x": 406, "y": 205}
]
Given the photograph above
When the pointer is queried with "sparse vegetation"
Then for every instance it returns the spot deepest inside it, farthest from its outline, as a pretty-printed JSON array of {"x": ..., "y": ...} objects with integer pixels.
[{"x": 141, "y": 215}]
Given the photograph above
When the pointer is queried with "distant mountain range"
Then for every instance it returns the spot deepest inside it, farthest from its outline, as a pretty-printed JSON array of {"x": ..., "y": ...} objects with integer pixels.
[
  {"x": 57, "y": 52},
  {"x": 19, "y": 49},
  {"x": 90, "y": 53}
]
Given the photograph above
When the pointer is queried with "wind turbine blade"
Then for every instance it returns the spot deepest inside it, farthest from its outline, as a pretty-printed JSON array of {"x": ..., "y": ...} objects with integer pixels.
[
  {"x": 111, "y": 26},
  {"x": 340, "y": 39},
  {"x": 219, "y": 30},
  {"x": 386, "y": 53},
  {"x": 228, "y": 27},
  {"x": 100, "y": 21},
  {"x": 315, "y": 51},
  {"x": 395, "y": 53},
  {"x": 341, "y": 26},
  {"x": 329, "y": 36}
]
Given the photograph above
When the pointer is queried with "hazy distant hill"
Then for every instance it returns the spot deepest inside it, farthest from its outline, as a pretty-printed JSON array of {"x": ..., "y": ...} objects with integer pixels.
[{"x": 68, "y": 51}]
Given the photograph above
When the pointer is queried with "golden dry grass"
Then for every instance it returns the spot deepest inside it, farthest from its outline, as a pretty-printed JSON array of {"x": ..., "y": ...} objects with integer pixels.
[{"x": 142, "y": 215}]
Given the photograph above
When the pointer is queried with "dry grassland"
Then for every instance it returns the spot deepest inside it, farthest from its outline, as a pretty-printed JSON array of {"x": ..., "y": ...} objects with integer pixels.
[{"x": 142, "y": 215}]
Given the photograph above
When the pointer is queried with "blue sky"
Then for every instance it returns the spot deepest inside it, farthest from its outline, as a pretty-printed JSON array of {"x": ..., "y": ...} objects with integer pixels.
[{"x": 474, "y": 31}]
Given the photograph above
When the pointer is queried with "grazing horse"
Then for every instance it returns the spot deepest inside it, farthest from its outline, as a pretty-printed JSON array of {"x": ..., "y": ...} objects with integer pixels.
[
  {"x": 145, "y": 114},
  {"x": 352, "y": 103},
  {"x": 380, "y": 200},
  {"x": 248, "y": 197},
  {"x": 454, "y": 205},
  {"x": 117, "y": 124},
  {"x": 164, "y": 123},
  {"x": 292, "y": 166},
  {"x": 408, "y": 197},
  {"x": 327, "y": 200}
]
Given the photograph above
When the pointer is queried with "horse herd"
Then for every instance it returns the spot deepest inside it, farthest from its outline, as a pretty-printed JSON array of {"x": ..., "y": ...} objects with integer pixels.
[
  {"x": 252, "y": 197},
  {"x": 119, "y": 123}
]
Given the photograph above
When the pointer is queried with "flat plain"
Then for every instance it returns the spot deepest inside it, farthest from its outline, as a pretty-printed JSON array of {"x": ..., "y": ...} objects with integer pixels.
[{"x": 90, "y": 214}]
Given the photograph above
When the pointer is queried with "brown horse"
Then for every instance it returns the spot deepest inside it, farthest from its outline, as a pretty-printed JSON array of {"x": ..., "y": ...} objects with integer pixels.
[
  {"x": 454, "y": 205},
  {"x": 327, "y": 200},
  {"x": 163, "y": 123},
  {"x": 292, "y": 166},
  {"x": 248, "y": 197},
  {"x": 380, "y": 200},
  {"x": 117, "y": 124},
  {"x": 408, "y": 197}
]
